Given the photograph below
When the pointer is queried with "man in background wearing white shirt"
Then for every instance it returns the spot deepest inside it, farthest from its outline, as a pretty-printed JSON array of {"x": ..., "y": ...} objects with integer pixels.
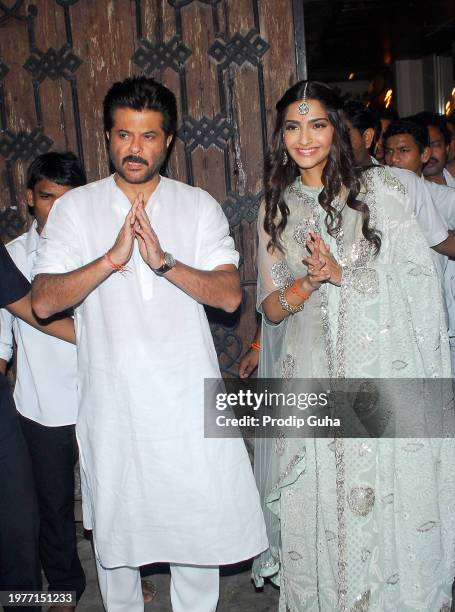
[
  {"x": 364, "y": 128},
  {"x": 407, "y": 146},
  {"x": 440, "y": 137},
  {"x": 46, "y": 388}
]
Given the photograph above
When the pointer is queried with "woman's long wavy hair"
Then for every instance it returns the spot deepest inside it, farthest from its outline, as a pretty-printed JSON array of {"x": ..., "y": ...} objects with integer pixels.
[{"x": 339, "y": 171}]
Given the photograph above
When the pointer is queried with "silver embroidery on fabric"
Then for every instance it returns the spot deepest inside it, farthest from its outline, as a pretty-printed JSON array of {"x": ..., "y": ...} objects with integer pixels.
[
  {"x": 281, "y": 274},
  {"x": 398, "y": 364},
  {"x": 295, "y": 459},
  {"x": 385, "y": 177},
  {"x": 288, "y": 367},
  {"x": 361, "y": 500},
  {"x": 294, "y": 555},
  {"x": 342, "y": 530},
  {"x": 302, "y": 231},
  {"x": 416, "y": 270},
  {"x": 393, "y": 579},
  {"x": 280, "y": 444},
  {"x": 413, "y": 447},
  {"x": 361, "y": 252},
  {"x": 355, "y": 275},
  {"x": 365, "y": 554},
  {"x": 302, "y": 195},
  {"x": 339, "y": 442},
  {"x": 362, "y": 602},
  {"x": 364, "y": 449},
  {"x": 388, "y": 499},
  {"x": 323, "y": 291},
  {"x": 419, "y": 336},
  {"x": 342, "y": 310},
  {"x": 366, "y": 341},
  {"x": 329, "y": 535},
  {"x": 269, "y": 564},
  {"x": 366, "y": 281},
  {"x": 428, "y": 526}
]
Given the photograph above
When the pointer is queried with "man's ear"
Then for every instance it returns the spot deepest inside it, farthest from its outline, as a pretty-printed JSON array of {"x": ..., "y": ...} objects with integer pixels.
[
  {"x": 169, "y": 139},
  {"x": 368, "y": 137},
  {"x": 30, "y": 201},
  {"x": 425, "y": 155}
]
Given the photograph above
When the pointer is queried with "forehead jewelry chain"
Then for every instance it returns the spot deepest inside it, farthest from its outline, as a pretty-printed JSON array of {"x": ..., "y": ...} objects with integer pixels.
[{"x": 303, "y": 107}]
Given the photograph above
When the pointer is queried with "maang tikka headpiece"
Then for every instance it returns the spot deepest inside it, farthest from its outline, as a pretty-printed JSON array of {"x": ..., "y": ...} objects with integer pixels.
[{"x": 303, "y": 107}]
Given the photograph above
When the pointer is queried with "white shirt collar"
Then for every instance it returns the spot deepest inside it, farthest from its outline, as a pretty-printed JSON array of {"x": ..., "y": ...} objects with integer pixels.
[{"x": 32, "y": 239}]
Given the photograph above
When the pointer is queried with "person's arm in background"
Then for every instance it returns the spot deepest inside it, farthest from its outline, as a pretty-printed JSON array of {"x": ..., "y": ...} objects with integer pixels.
[
  {"x": 447, "y": 247},
  {"x": 250, "y": 360},
  {"x": 60, "y": 328},
  {"x": 6, "y": 339},
  {"x": 15, "y": 297}
]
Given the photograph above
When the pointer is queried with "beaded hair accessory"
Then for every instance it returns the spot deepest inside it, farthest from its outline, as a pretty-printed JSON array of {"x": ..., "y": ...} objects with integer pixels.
[{"x": 303, "y": 107}]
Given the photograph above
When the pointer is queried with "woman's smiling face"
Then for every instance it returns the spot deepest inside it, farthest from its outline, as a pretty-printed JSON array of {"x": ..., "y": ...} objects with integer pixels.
[{"x": 308, "y": 138}]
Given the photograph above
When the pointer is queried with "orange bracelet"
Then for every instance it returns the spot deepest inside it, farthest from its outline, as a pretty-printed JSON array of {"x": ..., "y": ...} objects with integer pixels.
[
  {"x": 114, "y": 266},
  {"x": 256, "y": 346},
  {"x": 294, "y": 289}
]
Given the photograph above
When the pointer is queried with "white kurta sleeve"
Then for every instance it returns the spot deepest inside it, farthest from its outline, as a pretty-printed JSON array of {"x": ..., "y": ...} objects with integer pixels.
[
  {"x": 432, "y": 223},
  {"x": 444, "y": 199},
  {"x": 59, "y": 248},
  {"x": 215, "y": 245}
]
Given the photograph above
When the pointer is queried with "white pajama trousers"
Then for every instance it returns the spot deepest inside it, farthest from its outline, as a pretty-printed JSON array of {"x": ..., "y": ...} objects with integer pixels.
[{"x": 194, "y": 588}]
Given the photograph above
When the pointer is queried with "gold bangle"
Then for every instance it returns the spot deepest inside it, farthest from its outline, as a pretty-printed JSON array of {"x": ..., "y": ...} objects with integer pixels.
[{"x": 285, "y": 304}]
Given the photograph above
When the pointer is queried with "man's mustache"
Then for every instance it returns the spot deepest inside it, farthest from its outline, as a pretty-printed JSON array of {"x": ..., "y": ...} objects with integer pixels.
[
  {"x": 433, "y": 159},
  {"x": 135, "y": 159}
]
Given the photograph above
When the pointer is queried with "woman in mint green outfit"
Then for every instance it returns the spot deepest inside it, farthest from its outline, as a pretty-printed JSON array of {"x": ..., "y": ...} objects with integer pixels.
[{"x": 347, "y": 289}]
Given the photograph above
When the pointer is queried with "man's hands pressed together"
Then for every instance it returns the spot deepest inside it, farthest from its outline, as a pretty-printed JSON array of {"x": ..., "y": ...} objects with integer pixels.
[
  {"x": 219, "y": 288},
  {"x": 137, "y": 226},
  {"x": 149, "y": 244},
  {"x": 122, "y": 249}
]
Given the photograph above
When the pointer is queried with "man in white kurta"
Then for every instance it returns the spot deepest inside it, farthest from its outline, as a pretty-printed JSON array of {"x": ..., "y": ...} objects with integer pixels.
[{"x": 155, "y": 488}]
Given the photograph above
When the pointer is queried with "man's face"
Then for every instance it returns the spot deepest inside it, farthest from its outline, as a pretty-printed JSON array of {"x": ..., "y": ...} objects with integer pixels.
[
  {"x": 402, "y": 151},
  {"x": 438, "y": 157},
  {"x": 137, "y": 144},
  {"x": 42, "y": 197},
  {"x": 451, "y": 155},
  {"x": 360, "y": 143}
]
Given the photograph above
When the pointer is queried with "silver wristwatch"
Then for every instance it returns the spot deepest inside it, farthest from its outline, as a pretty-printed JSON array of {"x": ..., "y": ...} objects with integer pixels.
[{"x": 169, "y": 263}]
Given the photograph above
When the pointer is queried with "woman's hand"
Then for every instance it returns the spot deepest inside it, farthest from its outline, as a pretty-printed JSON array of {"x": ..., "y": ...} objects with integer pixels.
[
  {"x": 318, "y": 272},
  {"x": 322, "y": 262}
]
